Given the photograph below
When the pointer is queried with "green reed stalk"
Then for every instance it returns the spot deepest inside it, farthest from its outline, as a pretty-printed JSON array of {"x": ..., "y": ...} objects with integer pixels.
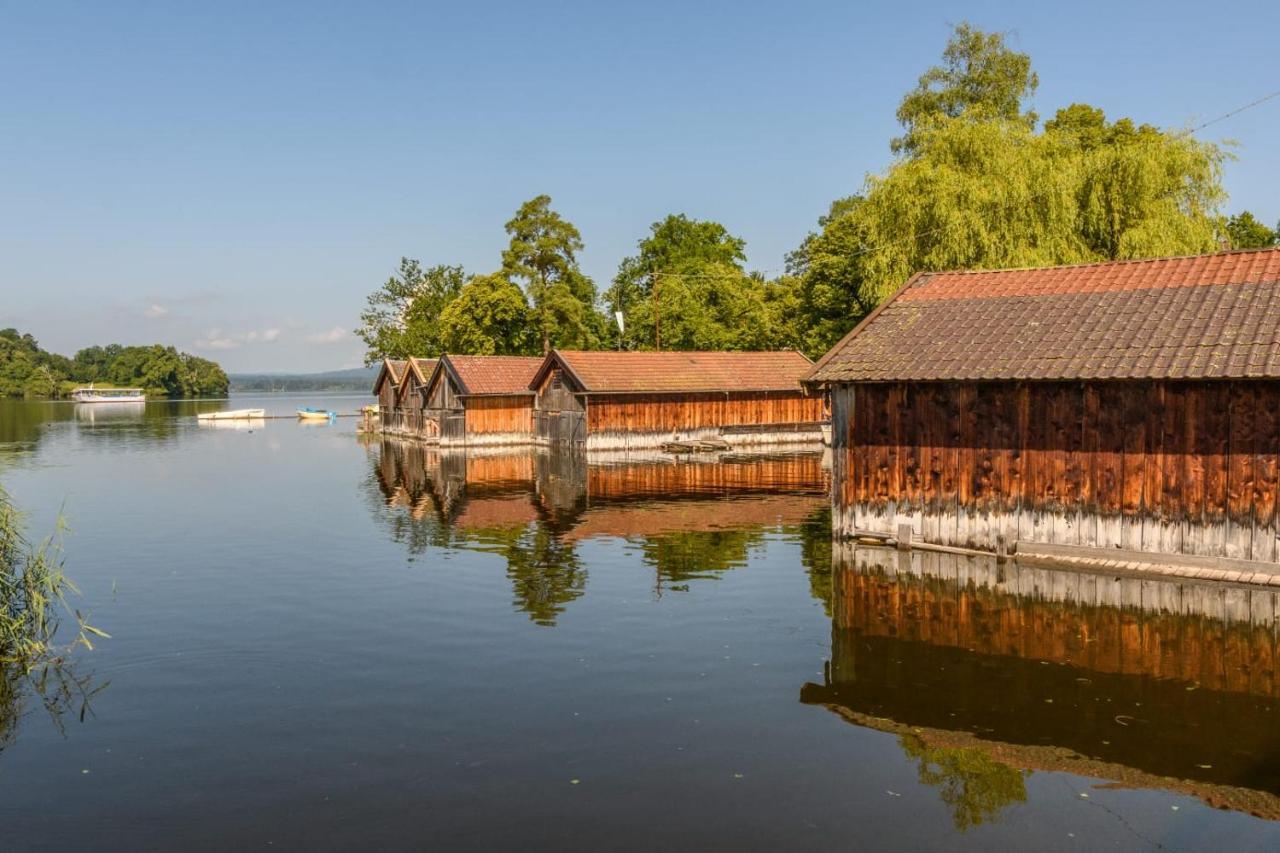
[{"x": 33, "y": 594}]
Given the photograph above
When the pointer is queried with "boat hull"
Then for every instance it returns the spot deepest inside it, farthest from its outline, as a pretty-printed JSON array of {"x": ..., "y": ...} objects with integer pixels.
[{"x": 233, "y": 415}]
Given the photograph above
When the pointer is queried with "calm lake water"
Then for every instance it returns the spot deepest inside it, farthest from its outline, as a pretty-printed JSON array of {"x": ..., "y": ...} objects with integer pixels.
[{"x": 325, "y": 642}]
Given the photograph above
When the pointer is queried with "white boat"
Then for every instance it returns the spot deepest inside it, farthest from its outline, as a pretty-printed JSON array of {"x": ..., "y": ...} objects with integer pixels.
[
  {"x": 108, "y": 395},
  {"x": 232, "y": 415}
]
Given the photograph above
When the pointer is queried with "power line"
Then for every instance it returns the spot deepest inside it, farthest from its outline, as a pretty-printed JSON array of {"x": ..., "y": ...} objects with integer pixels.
[{"x": 913, "y": 237}]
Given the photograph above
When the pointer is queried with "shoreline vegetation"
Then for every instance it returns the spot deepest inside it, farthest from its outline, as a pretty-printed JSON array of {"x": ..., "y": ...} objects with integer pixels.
[
  {"x": 26, "y": 370},
  {"x": 33, "y": 606},
  {"x": 977, "y": 181}
]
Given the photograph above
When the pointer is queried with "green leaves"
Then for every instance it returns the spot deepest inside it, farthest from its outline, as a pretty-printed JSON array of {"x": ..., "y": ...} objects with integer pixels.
[{"x": 402, "y": 318}]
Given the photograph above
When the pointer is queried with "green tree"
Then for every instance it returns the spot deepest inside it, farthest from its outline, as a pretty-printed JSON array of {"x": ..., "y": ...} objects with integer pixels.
[
  {"x": 489, "y": 316},
  {"x": 686, "y": 289},
  {"x": 983, "y": 190},
  {"x": 1246, "y": 232},
  {"x": 402, "y": 318},
  {"x": 979, "y": 77},
  {"x": 542, "y": 256}
]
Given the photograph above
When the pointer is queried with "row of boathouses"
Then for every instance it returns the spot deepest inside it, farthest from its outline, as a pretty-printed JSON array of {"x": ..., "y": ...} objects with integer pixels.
[
  {"x": 1098, "y": 411},
  {"x": 601, "y": 400}
]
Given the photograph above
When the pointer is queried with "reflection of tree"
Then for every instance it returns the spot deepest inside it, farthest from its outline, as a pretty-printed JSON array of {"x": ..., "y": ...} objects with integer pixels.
[
  {"x": 815, "y": 555},
  {"x": 692, "y": 554},
  {"x": 545, "y": 573},
  {"x": 973, "y": 784}
]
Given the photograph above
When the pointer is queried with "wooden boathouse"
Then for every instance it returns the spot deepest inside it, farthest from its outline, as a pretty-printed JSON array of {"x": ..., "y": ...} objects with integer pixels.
[
  {"x": 1127, "y": 405},
  {"x": 477, "y": 400},
  {"x": 386, "y": 389},
  {"x": 619, "y": 400},
  {"x": 407, "y": 417}
]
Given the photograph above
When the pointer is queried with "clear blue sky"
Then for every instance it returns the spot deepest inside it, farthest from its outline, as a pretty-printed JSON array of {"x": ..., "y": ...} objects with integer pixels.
[{"x": 235, "y": 178}]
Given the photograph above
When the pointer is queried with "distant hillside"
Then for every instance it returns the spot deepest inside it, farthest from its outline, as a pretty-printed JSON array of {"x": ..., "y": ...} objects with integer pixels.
[{"x": 355, "y": 379}]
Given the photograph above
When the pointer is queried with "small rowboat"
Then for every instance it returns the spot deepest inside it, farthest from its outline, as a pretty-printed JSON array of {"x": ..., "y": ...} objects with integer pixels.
[
  {"x": 316, "y": 414},
  {"x": 232, "y": 415}
]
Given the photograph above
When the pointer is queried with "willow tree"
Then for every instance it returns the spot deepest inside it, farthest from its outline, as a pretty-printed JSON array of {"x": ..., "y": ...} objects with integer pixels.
[{"x": 983, "y": 188}]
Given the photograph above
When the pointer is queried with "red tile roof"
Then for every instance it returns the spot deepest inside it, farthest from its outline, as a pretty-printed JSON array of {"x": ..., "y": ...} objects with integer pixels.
[
  {"x": 493, "y": 374},
  {"x": 1205, "y": 317},
  {"x": 392, "y": 369},
  {"x": 423, "y": 367},
  {"x": 667, "y": 372}
]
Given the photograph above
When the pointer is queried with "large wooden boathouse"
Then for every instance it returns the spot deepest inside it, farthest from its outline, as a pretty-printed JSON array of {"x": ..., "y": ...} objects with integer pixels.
[
  {"x": 1131, "y": 405},
  {"x": 618, "y": 400},
  {"x": 481, "y": 400}
]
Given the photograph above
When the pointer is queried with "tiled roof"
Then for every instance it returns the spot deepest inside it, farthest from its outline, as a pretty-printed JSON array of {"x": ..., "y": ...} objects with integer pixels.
[
  {"x": 392, "y": 369},
  {"x": 665, "y": 372},
  {"x": 494, "y": 374},
  {"x": 1206, "y": 317},
  {"x": 423, "y": 367}
]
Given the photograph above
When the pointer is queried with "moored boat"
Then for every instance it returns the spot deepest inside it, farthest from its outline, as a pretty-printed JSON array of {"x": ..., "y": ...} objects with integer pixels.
[
  {"x": 108, "y": 395},
  {"x": 232, "y": 415},
  {"x": 309, "y": 414}
]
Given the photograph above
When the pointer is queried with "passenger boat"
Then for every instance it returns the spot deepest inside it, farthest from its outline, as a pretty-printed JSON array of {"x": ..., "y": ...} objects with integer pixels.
[
  {"x": 232, "y": 415},
  {"x": 108, "y": 395},
  {"x": 309, "y": 414}
]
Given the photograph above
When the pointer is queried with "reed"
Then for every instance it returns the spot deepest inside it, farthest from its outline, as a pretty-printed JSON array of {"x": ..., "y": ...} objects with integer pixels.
[{"x": 33, "y": 596}]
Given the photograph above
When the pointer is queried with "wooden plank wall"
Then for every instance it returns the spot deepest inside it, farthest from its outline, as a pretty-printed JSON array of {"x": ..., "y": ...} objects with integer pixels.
[
  {"x": 1174, "y": 467},
  {"x": 499, "y": 415},
  {"x": 666, "y": 413}
]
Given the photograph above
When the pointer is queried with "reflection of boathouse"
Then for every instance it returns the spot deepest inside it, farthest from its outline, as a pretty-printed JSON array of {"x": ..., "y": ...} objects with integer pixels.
[
  {"x": 1143, "y": 682},
  {"x": 1130, "y": 405},
  {"x": 689, "y": 519}
]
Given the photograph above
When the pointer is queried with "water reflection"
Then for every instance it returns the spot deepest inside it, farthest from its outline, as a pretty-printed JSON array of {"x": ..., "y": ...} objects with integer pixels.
[
  {"x": 689, "y": 520},
  {"x": 56, "y": 686},
  {"x": 990, "y": 672}
]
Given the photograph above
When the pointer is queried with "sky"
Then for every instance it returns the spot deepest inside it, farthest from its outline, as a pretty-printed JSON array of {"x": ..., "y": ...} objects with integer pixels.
[{"x": 235, "y": 178}]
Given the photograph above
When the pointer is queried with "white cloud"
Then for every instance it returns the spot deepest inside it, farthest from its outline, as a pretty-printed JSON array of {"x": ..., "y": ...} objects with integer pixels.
[
  {"x": 217, "y": 343},
  {"x": 215, "y": 339},
  {"x": 155, "y": 312},
  {"x": 333, "y": 336}
]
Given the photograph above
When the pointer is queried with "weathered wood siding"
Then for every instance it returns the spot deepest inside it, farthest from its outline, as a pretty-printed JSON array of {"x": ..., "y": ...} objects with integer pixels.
[
  {"x": 556, "y": 394},
  {"x": 499, "y": 415},
  {"x": 641, "y": 419},
  {"x": 1167, "y": 467}
]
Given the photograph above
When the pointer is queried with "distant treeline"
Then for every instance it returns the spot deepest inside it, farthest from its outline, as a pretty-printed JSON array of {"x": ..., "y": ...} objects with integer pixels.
[
  {"x": 28, "y": 370},
  {"x": 359, "y": 379}
]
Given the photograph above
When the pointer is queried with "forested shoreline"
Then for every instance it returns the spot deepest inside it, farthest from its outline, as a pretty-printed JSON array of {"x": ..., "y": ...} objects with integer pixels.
[
  {"x": 26, "y": 370},
  {"x": 977, "y": 181}
]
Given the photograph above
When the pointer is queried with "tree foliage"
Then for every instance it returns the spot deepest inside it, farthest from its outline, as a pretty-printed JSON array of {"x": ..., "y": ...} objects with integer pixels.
[
  {"x": 25, "y": 369},
  {"x": 489, "y": 316},
  {"x": 686, "y": 288},
  {"x": 542, "y": 257},
  {"x": 1244, "y": 231},
  {"x": 981, "y": 188},
  {"x": 402, "y": 318},
  {"x": 979, "y": 78}
]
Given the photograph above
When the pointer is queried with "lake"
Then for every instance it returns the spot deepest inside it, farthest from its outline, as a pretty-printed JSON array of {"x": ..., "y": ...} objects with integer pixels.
[{"x": 325, "y": 641}]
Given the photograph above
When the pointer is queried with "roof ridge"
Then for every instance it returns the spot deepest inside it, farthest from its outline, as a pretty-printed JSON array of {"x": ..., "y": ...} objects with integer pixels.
[{"x": 1113, "y": 263}]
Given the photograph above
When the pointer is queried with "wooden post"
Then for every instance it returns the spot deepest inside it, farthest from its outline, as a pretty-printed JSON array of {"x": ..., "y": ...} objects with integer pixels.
[
  {"x": 1002, "y": 548},
  {"x": 904, "y": 537}
]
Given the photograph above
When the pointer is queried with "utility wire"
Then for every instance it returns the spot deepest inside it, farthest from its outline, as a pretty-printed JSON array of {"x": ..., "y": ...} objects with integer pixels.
[{"x": 913, "y": 237}]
